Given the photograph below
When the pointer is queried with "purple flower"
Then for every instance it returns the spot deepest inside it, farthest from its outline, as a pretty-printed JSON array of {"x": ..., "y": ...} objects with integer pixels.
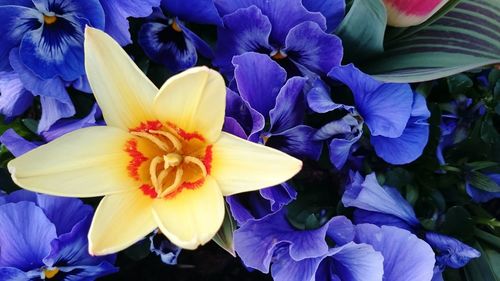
[
  {"x": 161, "y": 246},
  {"x": 395, "y": 117},
  {"x": 276, "y": 28},
  {"x": 479, "y": 195},
  {"x": 451, "y": 252},
  {"x": 45, "y": 236},
  {"x": 167, "y": 40}
]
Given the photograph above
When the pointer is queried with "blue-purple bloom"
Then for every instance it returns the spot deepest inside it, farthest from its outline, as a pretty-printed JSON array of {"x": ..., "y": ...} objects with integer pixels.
[
  {"x": 385, "y": 206},
  {"x": 45, "y": 236},
  {"x": 395, "y": 116},
  {"x": 277, "y": 28},
  {"x": 167, "y": 40},
  {"x": 362, "y": 252}
]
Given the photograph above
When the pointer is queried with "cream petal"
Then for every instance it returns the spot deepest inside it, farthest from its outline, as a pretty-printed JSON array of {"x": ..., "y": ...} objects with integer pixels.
[
  {"x": 192, "y": 217},
  {"x": 239, "y": 165},
  {"x": 122, "y": 91},
  {"x": 84, "y": 163},
  {"x": 120, "y": 220},
  {"x": 195, "y": 101}
]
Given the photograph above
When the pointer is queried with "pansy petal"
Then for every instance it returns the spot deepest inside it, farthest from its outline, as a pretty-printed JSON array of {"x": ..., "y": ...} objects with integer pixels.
[
  {"x": 406, "y": 257},
  {"x": 167, "y": 46},
  {"x": 25, "y": 235},
  {"x": 53, "y": 110},
  {"x": 239, "y": 165},
  {"x": 258, "y": 88},
  {"x": 194, "y": 101},
  {"x": 14, "y": 274},
  {"x": 120, "y": 220},
  {"x": 339, "y": 150},
  {"x": 385, "y": 107},
  {"x": 452, "y": 252},
  {"x": 15, "y": 99},
  {"x": 318, "y": 51},
  {"x": 198, "y": 11},
  {"x": 77, "y": 160},
  {"x": 318, "y": 98},
  {"x": 192, "y": 217},
  {"x": 297, "y": 141},
  {"x": 16, "y": 21},
  {"x": 332, "y": 10},
  {"x": 90, "y": 10},
  {"x": 117, "y": 12},
  {"x": 287, "y": 269},
  {"x": 279, "y": 195},
  {"x": 16, "y": 144},
  {"x": 230, "y": 126},
  {"x": 122, "y": 91},
  {"x": 289, "y": 107},
  {"x": 245, "y": 30}
]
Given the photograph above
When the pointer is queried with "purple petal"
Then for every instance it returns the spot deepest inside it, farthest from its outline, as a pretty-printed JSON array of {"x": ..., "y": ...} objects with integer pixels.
[
  {"x": 245, "y": 30},
  {"x": 250, "y": 120},
  {"x": 289, "y": 106},
  {"x": 25, "y": 235},
  {"x": 406, "y": 257},
  {"x": 256, "y": 240},
  {"x": 117, "y": 12},
  {"x": 379, "y": 219},
  {"x": 318, "y": 51},
  {"x": 340, "y": 230},
  {"x": 14, "y": 274},
  {"x": 198, "y": 11},
  {"x": 14, "y": 99},
  {"x": 481, "y": 196},
  {"x": 16, "y": 21},
  {"x": 279, "y": 195},
  {"x": 285, "y": 268},
  {"x": 246, "y": 206},
  {"x": 385, "y": 108},
  {"x": 283, "y": 15},
  {"x": 339, "y": 151},
  {"x": 65, "y": 126},
  {"x": 233, "y": 127},
  {"x": 298, "y": 141},
  {"x": 53, "y": 110},
  {"x": 451, "y": 252},
  {"x": 319, "y": 100},
  {"x": 351, "y": 262},
  {"x": 332, "y": 10},
  {"x": 16, "y": 144},
  {"x": 201, "y": 46},
  {"x": 370, "y": 196},
  {"x": 259, "y": 88}
]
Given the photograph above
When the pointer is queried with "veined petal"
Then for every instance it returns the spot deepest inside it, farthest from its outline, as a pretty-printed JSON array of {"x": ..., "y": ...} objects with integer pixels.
[
  {"x": 194, "y": 101},
  {"x": 239, "y": 165},
  {"x": 120, "y": 220},
  {"x": 84, "y": 163},
  {"x": 193, "y": 216},
  {"x": 122, "y": 91}
]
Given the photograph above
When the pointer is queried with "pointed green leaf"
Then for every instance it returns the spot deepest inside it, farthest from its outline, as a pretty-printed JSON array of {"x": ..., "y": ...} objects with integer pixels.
[
  {"x": 224, "y": 237},
  {"x": 483, "y": 182}
]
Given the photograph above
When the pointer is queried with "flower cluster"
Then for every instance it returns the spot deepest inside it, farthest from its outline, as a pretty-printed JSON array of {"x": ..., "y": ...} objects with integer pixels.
[{"x": 249, "y": 123}]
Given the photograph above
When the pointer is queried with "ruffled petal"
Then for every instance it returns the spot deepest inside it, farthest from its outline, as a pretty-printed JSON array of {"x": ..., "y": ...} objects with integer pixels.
[
  {"x": 289, "y": 106},
  {"x": 245, "y": 30},
  {"x": 318, "y": 51},
  {"x": 15, "y": 99},
  {"x": 332, "y": 10},
  {"x": 451, "y": 252},
  {"x": 258, "y": 88},
  {"x": 24, "y": 245},
  {"x": 192, "y": 217},
  {"x": 72, "y": 165},
  {"x": 198, "y": 11},
  {"x": 16, "y": 144},
  {"x": 240, "y": 166},
  {"x": 122, "y": 91},
  {"x": 120, "y": 220},
  {"x": 194, "y": 101}
]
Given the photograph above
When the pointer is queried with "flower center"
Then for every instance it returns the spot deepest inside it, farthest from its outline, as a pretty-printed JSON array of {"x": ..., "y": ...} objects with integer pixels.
[
  {"x": 181, "y": 159},
  {"x": 49, "y": 19},
  {"x": 50, "y": 272},
  {"x": 175, "y": 26},
  {"x": 278, "y": 55}
]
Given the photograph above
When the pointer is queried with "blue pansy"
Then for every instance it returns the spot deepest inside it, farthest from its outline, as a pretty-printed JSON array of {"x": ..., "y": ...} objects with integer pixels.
[
  {"x": 161, "y": 246},
  {"x": 385, "y": 206},
  {"x": 167, "y": 40},
  {"x": 276, "y": 28},
  {"x": 396, "y": 117},
  {"x": 45, "y": 236}
]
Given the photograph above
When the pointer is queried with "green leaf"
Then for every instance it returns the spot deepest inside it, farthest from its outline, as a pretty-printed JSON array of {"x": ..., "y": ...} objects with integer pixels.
[
  {"x": 224, "y": 237},
  {"x": 458, "y": 223},
  {"x": 458, "y": 84},
  {"x": 483, "y": 182},
  {"x": 482, "y": 268},
  {"x": 463, "y": 39},
  {"x": 362, "y": 30},
  {"x": 487, "y": 237},
  {"x": 479, "y": 165}
]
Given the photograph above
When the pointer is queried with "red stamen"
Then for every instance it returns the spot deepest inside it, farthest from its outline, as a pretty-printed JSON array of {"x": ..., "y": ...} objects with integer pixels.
[
  {"x": 149, "y": 125},
  {"x": 186, "y": 135},
  {"x": 148, "y": 190},
  {"x": 207, "y": 159},
  {"x": 137, "y": 158}
]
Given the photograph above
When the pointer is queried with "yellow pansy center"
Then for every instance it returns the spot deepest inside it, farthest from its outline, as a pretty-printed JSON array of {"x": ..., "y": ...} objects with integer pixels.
[
  {"x": 177, "y": 159},
  {"x": 176, "y": 26},
  {"x": 49, "y": 19},
  {"x": 50, "y": 272}
]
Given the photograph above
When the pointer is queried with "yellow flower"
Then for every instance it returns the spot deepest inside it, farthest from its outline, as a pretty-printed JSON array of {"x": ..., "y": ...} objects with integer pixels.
[{"x": 161, "y": 161}]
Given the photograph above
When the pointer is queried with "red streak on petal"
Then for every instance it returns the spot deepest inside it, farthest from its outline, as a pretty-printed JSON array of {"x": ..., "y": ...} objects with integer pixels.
[
  {"x": 185, "y": 185},
  {"x": 207, "y": 159},
  {"x": 148, "y": 125},
  {"x": 186, "y": 135},
  {"x": 137, "y": 158},
  {"x": 148, "y": 190},
  {"x": 415, "y": 7}
]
